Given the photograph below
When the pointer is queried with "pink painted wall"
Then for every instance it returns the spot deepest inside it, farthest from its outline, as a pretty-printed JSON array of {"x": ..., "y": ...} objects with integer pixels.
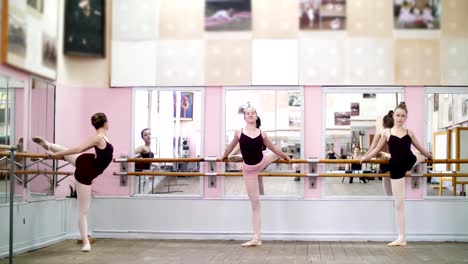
[
  {"x": 415, "y": 102},
  {"x": 313, "y": 145},
  {"x": 75, "y": 106},
  {"x": 212, "y": 136}
]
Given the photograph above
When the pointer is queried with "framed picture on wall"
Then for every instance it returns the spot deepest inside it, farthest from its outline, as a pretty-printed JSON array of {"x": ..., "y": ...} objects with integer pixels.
[
  {"x": 228, "y": 15},
  {"x": 29, "y": 42},
  {"x": 445, "y": 110},
  {"x": 460, "y": 108},
  {"x": 322, "y": 14},
  {"x": 84, "y": 31},
  {"x": 436, "y": 102},
  {"x": 416, "y": 14},
  {"x": 185, "y": 104},
  {"x": 342, "y": 118},
  {"x": 354, "y": 109}
]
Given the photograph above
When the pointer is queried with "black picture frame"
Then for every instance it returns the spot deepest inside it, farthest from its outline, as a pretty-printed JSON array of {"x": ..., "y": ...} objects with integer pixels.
[{"x": 84, "y": 29}]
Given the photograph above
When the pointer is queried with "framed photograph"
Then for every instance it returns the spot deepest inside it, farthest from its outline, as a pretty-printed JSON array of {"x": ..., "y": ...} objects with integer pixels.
[
  {"x": 36, "y": 5},
  {"x": 436, "y": 102},
  {"x": 445, "y": 111},
  {"x": 185, "y": 105},
  {"x": 342, "y": 118},
  {"x": 460, "y": 108},
  {"x": 84, "y": 33},
  {"x": 228, "y": 15},
  {"x": 294, "y": 99},
  {"x": 354, "y": 109},
  {"x": 369, "y": 95},
  {"x": 29, "y": 42},
  {"x": 322, "y": 14},
  {"x": 416, "y": 14}
]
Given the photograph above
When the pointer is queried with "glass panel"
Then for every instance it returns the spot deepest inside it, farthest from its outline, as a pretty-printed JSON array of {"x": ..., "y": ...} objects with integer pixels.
[
  {"x": 174, "y": 118},
  {"x": 42, "y": 124},
  {"x": 11, "y": 128},
  {"x": 350, "y": 126},
  {"x": 447, "y": 136},
  {"x": 280, "y": 112}
]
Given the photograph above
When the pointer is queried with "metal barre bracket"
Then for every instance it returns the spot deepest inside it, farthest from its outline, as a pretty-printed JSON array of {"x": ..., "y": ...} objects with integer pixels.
[
  {"x": 312, "y": 174},
  {"x": 211, "y": 173},
  {"x": 123, "y": 169}
]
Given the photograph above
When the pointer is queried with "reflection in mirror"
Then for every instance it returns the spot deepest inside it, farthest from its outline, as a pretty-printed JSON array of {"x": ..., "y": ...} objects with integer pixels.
[
  {"x": 11, "y": 128},
  {"x": 280, "y": 112},
  {"x": 173, "y": 119},
  {"x": 42, "y": 124},
  {"x": 447, "y": 133},
  {"x": 351, "y": 124}
]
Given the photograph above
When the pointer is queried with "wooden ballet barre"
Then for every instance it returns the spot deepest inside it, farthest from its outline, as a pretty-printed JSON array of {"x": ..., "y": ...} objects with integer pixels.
[
  {"x": 27, "y": 155},
  {"x": 26, "y": 172},
  {"x": 155, "y": 160},
  {"x": 7, "y": 147},
  {"x": 279, "y": 174},
  {"x": 445, "y": 174}
]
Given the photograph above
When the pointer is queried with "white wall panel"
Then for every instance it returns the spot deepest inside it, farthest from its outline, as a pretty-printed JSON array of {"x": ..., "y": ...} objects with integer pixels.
[
  {"x": 275, "y": 62},
  {"x": 133, "y": 63}
]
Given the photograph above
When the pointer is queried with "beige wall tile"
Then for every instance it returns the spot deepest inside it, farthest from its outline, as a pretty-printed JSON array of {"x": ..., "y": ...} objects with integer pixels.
[
  {"x": 454, "y": 55},
  {"x": 228, "y": 62},
  {"x": 370, "y": 18},
  {"x": 417, "y": 62},
  {"x": 275, "y": 19},
  {"x": 181, "y": 19},
  {"x": 454, "y": 18},
  {"x": 370, "y": 61},
  {"x": 322, "y": 61},
  {"x": 135, "y": 20},
  {"x": 180, "y": 63}
]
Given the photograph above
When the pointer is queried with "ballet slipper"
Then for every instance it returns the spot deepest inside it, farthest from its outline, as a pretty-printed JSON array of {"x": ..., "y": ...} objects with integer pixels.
[
  {"x": 86, "y": 248},
  {"x": 398, "y": 242},
  {"x": 41, "y": 141},
  {"x": 90, "y": 239},
  {"x": 252, "y": 243}
]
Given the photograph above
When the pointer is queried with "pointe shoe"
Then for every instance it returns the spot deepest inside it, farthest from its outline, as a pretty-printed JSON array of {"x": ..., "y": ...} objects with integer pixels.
[
  {"x": 41, "y": 141},
  {"x": 86, "y": 248},
  {"x": 398, "y": 242},
  {"x": 252, "y": 243}
]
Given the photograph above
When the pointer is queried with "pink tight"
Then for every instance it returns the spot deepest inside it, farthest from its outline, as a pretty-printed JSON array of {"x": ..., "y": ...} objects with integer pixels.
[{"x": 251, "y": 184}]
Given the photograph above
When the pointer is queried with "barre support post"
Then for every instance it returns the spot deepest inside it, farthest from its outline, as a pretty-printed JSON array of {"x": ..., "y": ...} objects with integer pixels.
[
  {"x": 123, "y": 168},
  {"x": 211, "y": 173},
  {"x": 313, "y": 172}
]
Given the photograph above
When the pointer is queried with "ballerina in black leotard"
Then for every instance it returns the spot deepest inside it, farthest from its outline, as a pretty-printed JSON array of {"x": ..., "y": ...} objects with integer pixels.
[
  {"x": 402, "y": 159},
  {"x": 88, "y": 166}
]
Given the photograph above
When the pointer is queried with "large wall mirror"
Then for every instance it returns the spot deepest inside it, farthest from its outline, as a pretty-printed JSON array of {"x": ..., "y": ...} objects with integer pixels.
[
  {"x": 447, "y": 133},
  {"x": 12, "y": 116},
  {"x": 351, "y": 119},
  {"x": 42, "y": 123},
  {"x": 280, "y": 111},
  {"x": 174, "y": 117}
]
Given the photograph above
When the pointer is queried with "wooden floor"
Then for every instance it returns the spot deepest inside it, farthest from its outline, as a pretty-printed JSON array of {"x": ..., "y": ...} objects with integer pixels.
[{"x": 119, "y": 251}]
